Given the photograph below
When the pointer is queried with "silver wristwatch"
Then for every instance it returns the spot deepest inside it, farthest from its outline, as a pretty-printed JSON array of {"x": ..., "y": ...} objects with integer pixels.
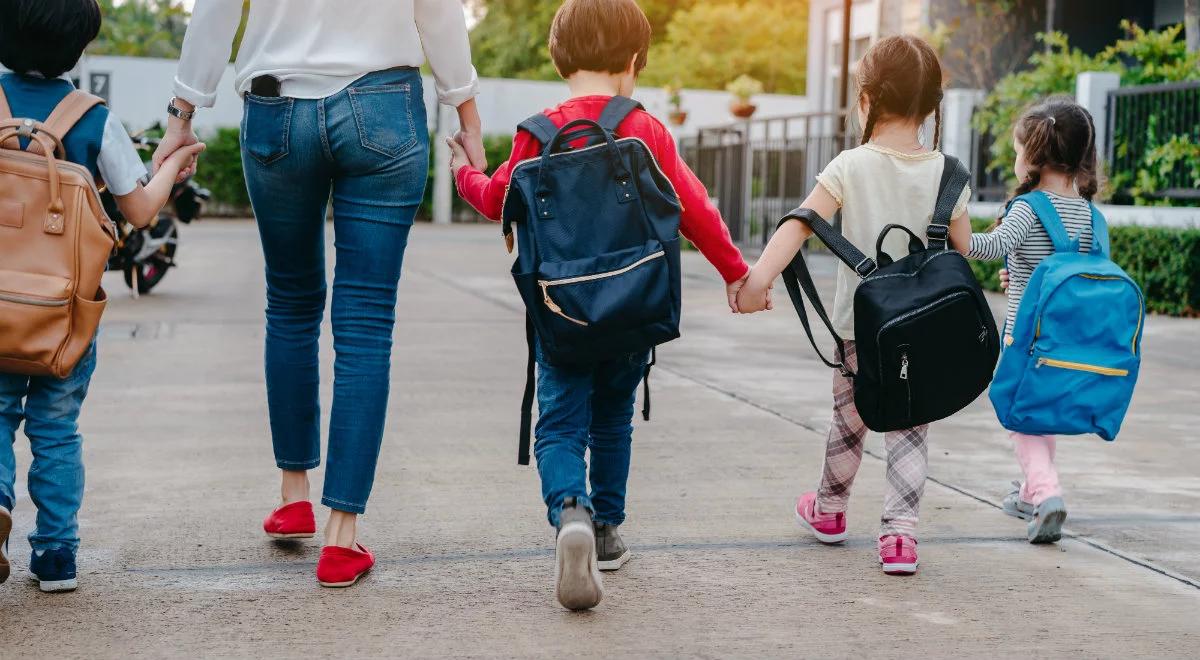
[{"x": 176, "y": 111}]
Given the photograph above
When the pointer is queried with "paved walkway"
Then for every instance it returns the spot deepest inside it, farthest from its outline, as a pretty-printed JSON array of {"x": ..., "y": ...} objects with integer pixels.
[{"x": 180, "y": 475}]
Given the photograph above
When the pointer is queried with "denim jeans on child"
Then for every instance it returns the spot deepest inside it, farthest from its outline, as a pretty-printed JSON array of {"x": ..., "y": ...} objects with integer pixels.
[
  {"x": 366, "y": 147},
  {"x": 49, "y": 407},
  {"x": 580, "y": 408}
]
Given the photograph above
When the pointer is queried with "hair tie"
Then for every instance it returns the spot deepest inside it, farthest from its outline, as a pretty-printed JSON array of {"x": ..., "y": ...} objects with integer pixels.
[{"x": 1051, "y": 118}]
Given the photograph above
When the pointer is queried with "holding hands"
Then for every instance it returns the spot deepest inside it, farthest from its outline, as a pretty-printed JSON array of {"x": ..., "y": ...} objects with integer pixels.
[{"x": 753, "y": 293}]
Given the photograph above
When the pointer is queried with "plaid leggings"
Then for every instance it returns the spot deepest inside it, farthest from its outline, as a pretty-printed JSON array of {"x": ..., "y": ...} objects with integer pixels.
[{"x": 907, "y": 461}]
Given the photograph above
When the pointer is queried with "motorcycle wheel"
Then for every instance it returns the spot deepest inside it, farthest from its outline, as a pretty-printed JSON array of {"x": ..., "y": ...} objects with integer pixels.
[{"x": 152, "y": 270}]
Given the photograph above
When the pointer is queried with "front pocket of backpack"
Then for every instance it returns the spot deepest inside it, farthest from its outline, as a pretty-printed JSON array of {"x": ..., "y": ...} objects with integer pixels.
[
  {"x": 35, "y": 316},
  {"x": 1075, "y": 394},
  {"x": 614, "y": 291}
]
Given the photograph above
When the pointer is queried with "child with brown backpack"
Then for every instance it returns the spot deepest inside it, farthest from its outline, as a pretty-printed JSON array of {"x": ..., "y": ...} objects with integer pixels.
[{"x": 56, "y": 143}]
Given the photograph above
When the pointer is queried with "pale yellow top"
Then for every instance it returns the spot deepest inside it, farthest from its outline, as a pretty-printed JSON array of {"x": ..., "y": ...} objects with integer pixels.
[{"x": 876, "y": 187}]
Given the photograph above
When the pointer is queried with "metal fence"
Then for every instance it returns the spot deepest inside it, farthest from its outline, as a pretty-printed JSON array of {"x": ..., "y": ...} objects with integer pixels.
[
  {"x": 757, "y": 170},
  {"x": 1143, "y": 117}
]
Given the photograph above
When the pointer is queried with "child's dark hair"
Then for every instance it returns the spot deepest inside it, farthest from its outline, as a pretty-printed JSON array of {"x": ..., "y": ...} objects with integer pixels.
[
  {"x": 901, "y": 77},
  {"x": 46, "y": 37},
  {"x": 1059, "y": 134},
  {"x": 599, "y": 35}
]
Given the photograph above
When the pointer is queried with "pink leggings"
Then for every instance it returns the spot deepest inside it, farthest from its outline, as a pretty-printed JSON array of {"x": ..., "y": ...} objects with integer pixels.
[{"x": 1035, "y": 453}]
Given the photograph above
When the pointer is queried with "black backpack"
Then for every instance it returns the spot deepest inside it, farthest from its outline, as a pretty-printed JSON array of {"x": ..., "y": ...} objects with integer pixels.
[
  {"x": 598, "y": 231},
  {"x": 925, "y": 337}
]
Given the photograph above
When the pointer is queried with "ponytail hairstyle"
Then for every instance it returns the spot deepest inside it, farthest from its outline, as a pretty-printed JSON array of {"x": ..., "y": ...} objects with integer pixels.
[
  {"x": 1058, "y": 134},
  {"x": 901, "y": 78}
]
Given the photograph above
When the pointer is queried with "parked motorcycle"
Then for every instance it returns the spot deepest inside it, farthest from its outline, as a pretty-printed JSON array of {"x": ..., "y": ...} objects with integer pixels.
[{"x": 145, "y": 255}]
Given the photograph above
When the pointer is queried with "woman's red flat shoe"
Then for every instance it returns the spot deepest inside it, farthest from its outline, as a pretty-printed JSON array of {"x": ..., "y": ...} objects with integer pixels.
[
  {"x": 291, "y": 521},
  {"x": 342, "y": 567}
]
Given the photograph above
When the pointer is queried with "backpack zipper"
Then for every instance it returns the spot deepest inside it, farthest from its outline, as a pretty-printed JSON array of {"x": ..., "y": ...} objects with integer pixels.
[
  {"x": 546, "y": 284},
  {"x": 35, "y": 301},
  {"x": 907, "y": 383},
  {"x": 1080, "y": 366}
]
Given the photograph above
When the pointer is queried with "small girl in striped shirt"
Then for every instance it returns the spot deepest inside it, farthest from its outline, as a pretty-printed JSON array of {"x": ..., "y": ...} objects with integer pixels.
[{"x": 1055, "y": 142}]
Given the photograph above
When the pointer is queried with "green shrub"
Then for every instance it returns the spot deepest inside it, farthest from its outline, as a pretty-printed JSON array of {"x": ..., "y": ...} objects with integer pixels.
[
  {"x": 1165, "y": 262},
  {"x": 221, "y": 171}
]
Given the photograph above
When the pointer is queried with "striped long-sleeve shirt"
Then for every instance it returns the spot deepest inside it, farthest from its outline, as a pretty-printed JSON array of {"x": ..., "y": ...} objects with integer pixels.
[{"x": 1022, "y": 238}]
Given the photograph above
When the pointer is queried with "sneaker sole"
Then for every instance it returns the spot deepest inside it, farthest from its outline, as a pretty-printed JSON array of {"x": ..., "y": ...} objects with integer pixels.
[
  {"x": 577, "y": 583},
  {"x": 614, "y": 564},
  {"x": 828, "y": 539},
  {"x": 1046, "y": 527},
  {"x": 899, "y": 569},
  {"x": 5, "y": 529},
  {"x": 302, "y": 535},
  {"x": 56, "y": 586}
]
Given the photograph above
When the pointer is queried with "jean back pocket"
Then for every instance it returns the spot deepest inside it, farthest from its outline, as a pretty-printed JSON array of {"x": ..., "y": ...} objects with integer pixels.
[
  {"x": 266, "y": 123},
  {"x": 384, "y": 117}
]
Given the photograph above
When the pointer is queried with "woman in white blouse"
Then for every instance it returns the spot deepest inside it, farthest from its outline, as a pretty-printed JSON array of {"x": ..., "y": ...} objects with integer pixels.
[{"x": 333, "y": 110}]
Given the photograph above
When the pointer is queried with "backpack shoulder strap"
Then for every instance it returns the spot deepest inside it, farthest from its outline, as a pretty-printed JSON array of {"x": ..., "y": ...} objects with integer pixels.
[
  {"x": 540, "y": 127},
  {"x": 1048, "y": 216},
  {"x": 1100, "y": 244},
  {"x": 954, "y": 179},
  {"x": 5, "y": 110},
  {"x": 66, "y": 114},
  {"x": 615, "y": 112}
]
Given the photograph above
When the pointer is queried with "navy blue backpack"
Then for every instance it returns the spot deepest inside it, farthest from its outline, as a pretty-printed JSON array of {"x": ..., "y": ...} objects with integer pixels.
[{"x": 597, "y": 227}]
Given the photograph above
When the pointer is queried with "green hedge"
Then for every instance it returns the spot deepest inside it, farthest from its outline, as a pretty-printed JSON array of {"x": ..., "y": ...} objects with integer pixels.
[
  {"x": 221, "y": 172},
  {"x": 1164, "y": 262}
]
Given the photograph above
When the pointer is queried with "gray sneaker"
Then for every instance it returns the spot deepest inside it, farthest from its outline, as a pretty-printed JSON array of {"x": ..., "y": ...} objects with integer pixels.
[
  {"x": 610, "y": 549},
  {"x": 1015, "y": 506},
  {"x": 1048, "y": 519},
  {"x": 577, "y": 583}
]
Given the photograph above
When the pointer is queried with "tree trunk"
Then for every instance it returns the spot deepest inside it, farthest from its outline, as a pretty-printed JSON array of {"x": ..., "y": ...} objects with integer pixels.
[{"x": 1191, "y": 24}]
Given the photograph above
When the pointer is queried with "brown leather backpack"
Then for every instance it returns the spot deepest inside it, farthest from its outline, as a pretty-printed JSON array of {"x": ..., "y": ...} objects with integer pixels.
[{"x": 55, "y": 240}]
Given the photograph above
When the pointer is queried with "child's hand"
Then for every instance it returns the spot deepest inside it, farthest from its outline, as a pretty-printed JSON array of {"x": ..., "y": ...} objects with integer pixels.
[
  {"x": 731, "y": 291},
  {"x": 1004, "y": 279},
  {"x": 181, "y": 160},
  {"x": 755, "y": 295},
  {"x": 458, "y": 155}
]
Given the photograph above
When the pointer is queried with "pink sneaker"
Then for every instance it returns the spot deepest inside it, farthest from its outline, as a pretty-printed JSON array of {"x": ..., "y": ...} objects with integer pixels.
[
  {"x": 827, "y": 527},
  {"x": 898, "y": 555}
]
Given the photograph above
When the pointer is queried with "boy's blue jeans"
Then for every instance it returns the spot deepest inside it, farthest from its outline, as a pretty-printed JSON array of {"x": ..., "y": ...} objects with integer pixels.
[
  {"x": 367, "y": 148},
  {"x": 50, "y": 409},
  {"x": 580, "y": 408}
]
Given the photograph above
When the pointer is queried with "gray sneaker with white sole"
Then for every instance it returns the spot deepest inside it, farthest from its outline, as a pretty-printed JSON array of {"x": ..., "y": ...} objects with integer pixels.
[
  {"x": 1048, "y": 519},
  {"x": 611, "y": 551},
  {"x": 1017, "y": 507},
  {"x": 577, "y": 583}
]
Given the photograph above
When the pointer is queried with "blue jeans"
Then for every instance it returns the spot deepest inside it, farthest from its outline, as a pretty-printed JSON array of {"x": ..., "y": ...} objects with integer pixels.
[
  {"x": 366, "y": 147},
  {"x": 50, "y": 409},
  {"x": 580, "y": 408}
]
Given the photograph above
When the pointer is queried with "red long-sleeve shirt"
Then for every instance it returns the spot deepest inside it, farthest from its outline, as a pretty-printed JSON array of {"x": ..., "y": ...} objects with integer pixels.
[{"x": 700, "y": 222}]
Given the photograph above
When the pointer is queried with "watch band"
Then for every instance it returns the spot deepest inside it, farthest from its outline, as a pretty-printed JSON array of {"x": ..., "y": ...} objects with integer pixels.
[{"x": 176, "y": 111}]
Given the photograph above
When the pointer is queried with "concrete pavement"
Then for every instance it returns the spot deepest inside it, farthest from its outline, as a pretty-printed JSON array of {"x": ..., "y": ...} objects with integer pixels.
[{"x": 180, "y": 474}]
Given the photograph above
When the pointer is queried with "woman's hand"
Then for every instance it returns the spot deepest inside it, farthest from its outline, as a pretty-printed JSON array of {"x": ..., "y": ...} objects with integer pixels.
[
  {"x": 179, "y": 134},
  {"x": 470, "y": 136}
]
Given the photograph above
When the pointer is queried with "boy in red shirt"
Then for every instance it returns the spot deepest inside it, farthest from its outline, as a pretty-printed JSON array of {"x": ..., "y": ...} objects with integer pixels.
[{"x": 599, "y": 47}]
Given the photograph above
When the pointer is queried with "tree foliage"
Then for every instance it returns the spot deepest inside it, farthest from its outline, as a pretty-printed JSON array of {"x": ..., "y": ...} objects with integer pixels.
[
  {"x": 1143, "y": 57},
  {"x": 141, "y": 28},
  {"x": 700, "y": 43},
  {"x": 982, "y": 40}
]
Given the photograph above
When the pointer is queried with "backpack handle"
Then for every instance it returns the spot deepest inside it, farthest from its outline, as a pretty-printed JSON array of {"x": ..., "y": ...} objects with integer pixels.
[
  {"x": 14, "y": 130},
  {"x": 626, "y": 191},
  {"x": 914, "y": 244}
]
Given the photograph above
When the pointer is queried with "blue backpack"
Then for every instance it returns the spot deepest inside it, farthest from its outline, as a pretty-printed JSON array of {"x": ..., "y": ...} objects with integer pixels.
[
  {"x": 598, "y": 233},
  {"x": 1075, "y": 350}
]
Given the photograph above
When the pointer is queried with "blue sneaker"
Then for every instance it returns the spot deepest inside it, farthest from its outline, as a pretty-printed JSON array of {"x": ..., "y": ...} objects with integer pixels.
[
  {"x": 5, "y": 528},
  {"x": 54, "y": 569}
]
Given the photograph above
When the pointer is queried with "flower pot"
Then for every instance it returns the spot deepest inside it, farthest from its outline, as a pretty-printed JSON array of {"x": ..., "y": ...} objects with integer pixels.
[
  {"x": 742, "y": 109},
  {"x": 678, "y": 117}
]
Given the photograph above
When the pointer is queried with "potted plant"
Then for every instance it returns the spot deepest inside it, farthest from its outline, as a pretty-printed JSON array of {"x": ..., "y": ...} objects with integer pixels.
[
  {"x": 743, "y": 89},
  {"x": 677, "y": 114}
]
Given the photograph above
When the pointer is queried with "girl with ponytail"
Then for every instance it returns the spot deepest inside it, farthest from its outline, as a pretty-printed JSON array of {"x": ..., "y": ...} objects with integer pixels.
[
  {"x": 891, "y": 178},
  {"x": 1055, "y": 141}
]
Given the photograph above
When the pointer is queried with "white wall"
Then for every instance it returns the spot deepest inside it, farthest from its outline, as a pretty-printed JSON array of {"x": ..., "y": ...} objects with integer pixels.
[{"x": 140, "y": 88}]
